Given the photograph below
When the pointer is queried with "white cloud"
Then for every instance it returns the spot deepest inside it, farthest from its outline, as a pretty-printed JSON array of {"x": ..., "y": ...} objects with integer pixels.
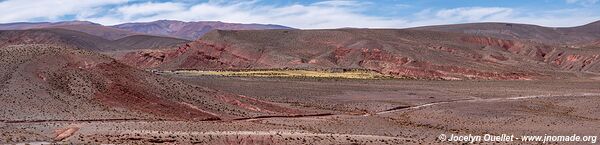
[
  {"x": 474, "y": 13},
  {"x": 323, "y": 14},
  {"x": 340, "y": 3},
  {"x": 552, "y": 18},
  {"x": 49, "y": 10},
  {"x": 150, "y": 8},
  {"x": 582, "y": 2},
  {"x": 461, "y": 15},
  {"x": 336, "y": 14},
  {"x": 401, "y": 6}
]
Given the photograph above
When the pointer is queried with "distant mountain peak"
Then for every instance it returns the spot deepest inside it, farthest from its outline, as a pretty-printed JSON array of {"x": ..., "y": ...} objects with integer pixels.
[
  {"x": 190, "y": 30},
  {"x": 595, "y": 23},
  {"x": 165, "y": 21},
  {"x": 30, "y": 25},
  {"x": 76, "y": 22}
]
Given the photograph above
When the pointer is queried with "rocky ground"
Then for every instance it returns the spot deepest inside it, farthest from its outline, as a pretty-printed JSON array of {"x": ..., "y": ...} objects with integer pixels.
[{"x": 354, "y": 112}]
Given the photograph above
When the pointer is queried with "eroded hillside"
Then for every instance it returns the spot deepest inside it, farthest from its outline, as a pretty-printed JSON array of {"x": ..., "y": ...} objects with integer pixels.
[
  {"x": 403, "y": 53},
  {"x": 50, "y": 83}
]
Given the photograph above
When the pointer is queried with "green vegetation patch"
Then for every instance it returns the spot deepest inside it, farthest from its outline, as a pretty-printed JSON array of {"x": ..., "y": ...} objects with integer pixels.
[{"x": 354, "y": 74}]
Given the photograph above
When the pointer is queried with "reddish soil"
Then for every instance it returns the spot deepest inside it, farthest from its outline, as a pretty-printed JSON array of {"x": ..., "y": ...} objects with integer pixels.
[
  {"x": 80, "y": 85},
  {"x": 509, "y": 45},
  {"x": 123, "y": 93}
]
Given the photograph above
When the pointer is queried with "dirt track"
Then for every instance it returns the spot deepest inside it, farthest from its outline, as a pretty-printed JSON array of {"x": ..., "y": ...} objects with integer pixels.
[
  {"x": 393, "y": 121},
  {"x": 314, "y": 115},
  {"x": 486, "y": 100}
]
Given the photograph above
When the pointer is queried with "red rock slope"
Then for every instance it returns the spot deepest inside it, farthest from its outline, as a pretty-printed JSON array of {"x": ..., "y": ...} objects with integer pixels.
[
  {"x": 52, "y": 83},
  {"x": 403, "y": 53}
]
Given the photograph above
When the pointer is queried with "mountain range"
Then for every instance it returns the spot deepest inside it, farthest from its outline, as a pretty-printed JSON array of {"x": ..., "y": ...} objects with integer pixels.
[
  {"x": 462, "y": 51},
  {"x": 504, "y": 51},
  {"x": 190, "y": 30},
  {"x": 168, "y": 28},
  {"x": 525, "y": 32}
]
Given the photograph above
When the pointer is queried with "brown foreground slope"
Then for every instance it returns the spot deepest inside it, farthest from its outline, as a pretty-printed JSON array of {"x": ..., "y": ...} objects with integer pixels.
[
  {"x": 403, "y": 53},
  {"x": 49, "y": 83}
]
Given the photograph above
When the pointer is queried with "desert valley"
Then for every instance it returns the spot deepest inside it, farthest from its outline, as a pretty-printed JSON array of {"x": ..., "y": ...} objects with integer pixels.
[{"x": 204, "y": 82}]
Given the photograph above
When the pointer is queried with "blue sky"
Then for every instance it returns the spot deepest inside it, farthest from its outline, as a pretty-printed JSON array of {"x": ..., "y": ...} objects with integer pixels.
[{"x": 309, "y": 14}]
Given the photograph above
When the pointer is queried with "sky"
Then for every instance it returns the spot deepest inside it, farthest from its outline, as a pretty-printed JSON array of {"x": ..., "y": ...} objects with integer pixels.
[{"x": 308, "y": 14}]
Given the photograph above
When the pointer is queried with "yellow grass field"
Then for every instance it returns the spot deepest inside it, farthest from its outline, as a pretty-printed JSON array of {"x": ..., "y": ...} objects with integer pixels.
[{"x": 287, "y": 73}]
